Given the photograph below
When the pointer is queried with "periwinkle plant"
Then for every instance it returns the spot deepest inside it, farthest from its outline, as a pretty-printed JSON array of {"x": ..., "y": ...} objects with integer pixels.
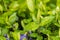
[{"x": 29, "y": 19}]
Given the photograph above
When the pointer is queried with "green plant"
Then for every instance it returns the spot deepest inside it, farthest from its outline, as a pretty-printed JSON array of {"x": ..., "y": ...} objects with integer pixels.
[{"x": 30, "y": 19}]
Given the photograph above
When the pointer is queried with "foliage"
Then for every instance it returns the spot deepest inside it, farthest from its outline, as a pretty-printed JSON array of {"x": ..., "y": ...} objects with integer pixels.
[{"x": 29, "y": 19}]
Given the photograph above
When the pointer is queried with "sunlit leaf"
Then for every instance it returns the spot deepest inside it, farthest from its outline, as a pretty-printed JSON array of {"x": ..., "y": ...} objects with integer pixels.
[
  {"x": 13, "y": 18},
  {"x": 2, "y": 38},
  {"x": 14, "y": 6},
  {"x": 30, "y": 5},
  {"x": 46, "y": 20},
  {"x": 4, "y": 31},
  {"x": 16, "y": 35},
  {"x": 31, "y": 26},
  {"x": 1, "y": 7},
  {"x": 33, "y": 35}
]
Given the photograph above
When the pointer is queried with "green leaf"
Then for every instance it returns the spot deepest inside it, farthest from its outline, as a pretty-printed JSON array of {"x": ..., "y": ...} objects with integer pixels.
[
  {"x": 2, "y": 38},
  {"x": 39, "y": 38},
  {"x": 55, "y": 38},
  {"x": 22, "y": 32},
  {"x": 45, "y": 31},
  {"x": 14, "y": 6},
  {"x": 30, "y": 5},
  {"x": 13, "y": 18},
  {"x": 33, "y": 35},
  {"x": 38, "y": 15},
  {"x": 1, "y": 7},
  {"x": 7, "y": 20},
  {"x": 22, "y": 4},
  {"x": 58, "y": 25},
  {"x": 46, "y": 20},
  {"x": 31, "y": 26},
  {"x": 4, "y": 31},
  {"x": 27, "y": 20},
  {"x": 16, "y": 35},
  {"x": 8, "y": 13}
]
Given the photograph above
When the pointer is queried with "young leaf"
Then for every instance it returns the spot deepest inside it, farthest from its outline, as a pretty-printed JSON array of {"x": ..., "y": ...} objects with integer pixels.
[
  {"x": 4, "y": 31},
  {"x": 46, "y": 20},
  {"x": 45, "y": 31},
  {"x": 16, "y": 35},
  {"x": 30, "y": 5},
  {"x": 2, "y": 38},
  {"x": 1, "y": 8},
  {"x": 13, "y": 18},
  {"x": 33, "y": 35},
  {"x": 31, "y": 26},
  {"x": 14, "y": 6}
]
